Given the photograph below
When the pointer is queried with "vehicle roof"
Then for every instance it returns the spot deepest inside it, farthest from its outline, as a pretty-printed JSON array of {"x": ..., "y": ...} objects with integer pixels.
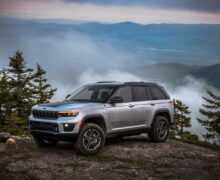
[{"x": 123, "y": 83}]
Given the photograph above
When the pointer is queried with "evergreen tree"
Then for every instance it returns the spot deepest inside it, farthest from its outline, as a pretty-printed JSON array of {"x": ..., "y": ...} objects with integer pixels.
[
  {"x": 5, "y": 103},
  {"x": 42, "y": 90},
  {"x": 212, "y": 112},
  {"x": 181, "y": 119},
  {"x": 20, "y": 83},
  {"x": 20, "y": 89}
]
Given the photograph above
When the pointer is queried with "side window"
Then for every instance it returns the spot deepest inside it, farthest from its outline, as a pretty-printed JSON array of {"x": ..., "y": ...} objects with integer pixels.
[
  {"x": 104, "y": 93},
  {"x": 140, "y": 93},
  {"x": 125, "y": 93},
  {"x": 157, "y": 93}
]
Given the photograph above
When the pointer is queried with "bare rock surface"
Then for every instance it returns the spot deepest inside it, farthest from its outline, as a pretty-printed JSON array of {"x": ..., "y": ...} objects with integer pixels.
[
  {"x": 2, "y": 147},
  {"x": 130, "y": 158}
]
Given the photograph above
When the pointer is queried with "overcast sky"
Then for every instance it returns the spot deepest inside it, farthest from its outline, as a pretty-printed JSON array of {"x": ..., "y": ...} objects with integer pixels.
[{"x": 111, "y": 11}]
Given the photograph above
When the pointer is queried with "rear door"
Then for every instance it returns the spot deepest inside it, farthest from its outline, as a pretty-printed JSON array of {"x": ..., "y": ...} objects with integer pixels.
[
  {"x": 141, "y": 106},
  {"x": 160, "y": 99}
]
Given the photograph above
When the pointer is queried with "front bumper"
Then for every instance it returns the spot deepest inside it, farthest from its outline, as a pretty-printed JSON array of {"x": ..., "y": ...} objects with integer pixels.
[
  {"x": 62, "y": 128},
  {"x": 54, "y": 136}
]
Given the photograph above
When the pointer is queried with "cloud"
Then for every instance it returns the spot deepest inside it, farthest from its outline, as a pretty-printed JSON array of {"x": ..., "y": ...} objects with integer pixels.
[
  {"x": 146, "y": 12},
  {"x": 198, "y": 5}
]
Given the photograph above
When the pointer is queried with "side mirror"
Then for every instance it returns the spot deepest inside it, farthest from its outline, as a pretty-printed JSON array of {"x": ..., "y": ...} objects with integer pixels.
[
  {"x": 116, "y": 99},
  {"x": 67, "y": 96}
]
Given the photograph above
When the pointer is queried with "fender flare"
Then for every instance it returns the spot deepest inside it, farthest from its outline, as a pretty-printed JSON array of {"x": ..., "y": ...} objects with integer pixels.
[
  {"x": 93, "y": 116},
  {"x": 165, "y": 110}
]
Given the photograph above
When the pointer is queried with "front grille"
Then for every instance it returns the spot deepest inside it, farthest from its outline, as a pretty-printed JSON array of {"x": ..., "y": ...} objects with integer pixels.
[
  {"x": 43, "y": 126},
  {"x": 45, "y": 114}
]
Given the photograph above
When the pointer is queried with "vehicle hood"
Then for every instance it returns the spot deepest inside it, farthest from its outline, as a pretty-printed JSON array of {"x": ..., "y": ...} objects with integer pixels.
[{"x": 68, "y": 105}]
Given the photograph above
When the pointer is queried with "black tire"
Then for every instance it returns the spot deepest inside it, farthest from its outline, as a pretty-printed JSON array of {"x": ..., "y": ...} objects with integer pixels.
[
  {"x": 91, "y": 139},
  {"x": 159, "y": 130},
  {"x": 45, "y": 143}
]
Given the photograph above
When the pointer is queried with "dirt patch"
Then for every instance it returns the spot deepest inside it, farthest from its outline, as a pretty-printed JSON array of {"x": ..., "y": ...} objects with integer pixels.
[{"x": 130, "y": 158}]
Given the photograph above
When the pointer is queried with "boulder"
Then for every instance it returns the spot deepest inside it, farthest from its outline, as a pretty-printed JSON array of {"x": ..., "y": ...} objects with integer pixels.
[
  {"x": 10, "y": 141},
  {"x": 4, "y": 136}
]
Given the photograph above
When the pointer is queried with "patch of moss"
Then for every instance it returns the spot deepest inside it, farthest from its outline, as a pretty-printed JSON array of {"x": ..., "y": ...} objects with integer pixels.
[
  {"x": 199, "y": 143},
  {"x": 112, "y": 158}
]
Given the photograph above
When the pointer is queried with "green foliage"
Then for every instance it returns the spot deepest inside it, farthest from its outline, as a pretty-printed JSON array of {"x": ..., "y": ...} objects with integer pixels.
[
  {"x": 181, "y": 119},
  {"x": 15, "y": 125},
  {"x": 20, "y": 80},
  {"x": 188, "y": 135},
  {"x": 199, "y": 143},
  {"x": 5, "y": 103},
  {"x": 42, "y": 90},
  {"x": 20, "y": 89},
  {"x": 212, "y": 114}
]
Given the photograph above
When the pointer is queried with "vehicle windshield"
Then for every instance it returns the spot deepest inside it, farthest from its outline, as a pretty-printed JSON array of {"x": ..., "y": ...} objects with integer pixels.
[{"x": 93, "y": 93}]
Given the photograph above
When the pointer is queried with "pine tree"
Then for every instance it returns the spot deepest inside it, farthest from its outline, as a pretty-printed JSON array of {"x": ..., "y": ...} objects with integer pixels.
[
  {"x": 20, "y": 82},
  {"x": 212, "y": 112},
  {"x": 42, "y": 90},
  {"x": 20, "y": 89},
  {"x": 181, "y": 120},
  {"x": 5, "y": 102}
]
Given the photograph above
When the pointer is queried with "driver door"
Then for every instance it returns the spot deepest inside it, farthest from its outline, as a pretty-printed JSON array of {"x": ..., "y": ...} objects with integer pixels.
[{"x": 120, "y": 114}]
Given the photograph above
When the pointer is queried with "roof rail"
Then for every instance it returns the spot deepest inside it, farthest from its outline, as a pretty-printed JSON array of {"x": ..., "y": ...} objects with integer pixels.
[
  {"x": 138, "y": 83},
  {"x": 106, "y": 81}
]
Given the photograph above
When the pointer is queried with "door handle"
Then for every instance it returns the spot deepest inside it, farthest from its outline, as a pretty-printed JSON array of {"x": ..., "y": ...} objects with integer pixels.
[
  {"x": 152, "y": 104},
  {"x": 131, "y": 105}
]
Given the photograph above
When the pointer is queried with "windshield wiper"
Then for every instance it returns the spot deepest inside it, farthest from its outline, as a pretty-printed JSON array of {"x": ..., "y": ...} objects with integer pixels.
[
  {"x": 86, "y": 100},
  {"x": 80, "y": 100}
]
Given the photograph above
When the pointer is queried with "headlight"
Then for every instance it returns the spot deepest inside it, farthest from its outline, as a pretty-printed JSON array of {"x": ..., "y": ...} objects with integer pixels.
[{"x": 68, "y": 113}]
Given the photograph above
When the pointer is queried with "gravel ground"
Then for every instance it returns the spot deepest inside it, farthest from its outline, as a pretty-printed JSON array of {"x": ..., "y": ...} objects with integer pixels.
[{"x": 130, "y": 158}]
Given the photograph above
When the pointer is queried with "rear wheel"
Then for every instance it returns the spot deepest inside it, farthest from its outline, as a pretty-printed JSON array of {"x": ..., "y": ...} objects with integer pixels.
[
  {"x": 90, "y": 140},
  {"x": 159, "y": 130},
  {"x": 44, "y": 142}
]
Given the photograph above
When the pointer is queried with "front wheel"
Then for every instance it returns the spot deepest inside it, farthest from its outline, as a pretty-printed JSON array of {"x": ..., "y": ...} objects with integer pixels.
[
  {"x": 91, "y": 139},
  {"x": 159, "y": 130},
  {"x": 45, "y": 143}
]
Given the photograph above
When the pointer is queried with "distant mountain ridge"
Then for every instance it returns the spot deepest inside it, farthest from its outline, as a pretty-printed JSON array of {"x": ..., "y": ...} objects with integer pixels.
[
  {"x": 193, "y": 44},
  {"x": 210, "y": 73},
  {"x": 174, "y": 73}
]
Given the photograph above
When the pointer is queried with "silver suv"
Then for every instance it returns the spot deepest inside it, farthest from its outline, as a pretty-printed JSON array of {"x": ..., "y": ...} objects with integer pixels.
[{"x": 105, "y": 109}]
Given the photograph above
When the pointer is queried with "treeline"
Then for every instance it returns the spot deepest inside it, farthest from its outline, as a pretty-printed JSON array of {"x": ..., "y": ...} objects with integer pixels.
[
  {"x": 21, "y": 88},
  {"x": 210, "y": 112}
]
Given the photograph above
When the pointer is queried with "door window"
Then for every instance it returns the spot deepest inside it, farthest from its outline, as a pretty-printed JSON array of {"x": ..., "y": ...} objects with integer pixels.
[
  {"x": 125, "y": 93},
  {"x": 157, "y": 93},
  {"x": 140, "y": 93}
]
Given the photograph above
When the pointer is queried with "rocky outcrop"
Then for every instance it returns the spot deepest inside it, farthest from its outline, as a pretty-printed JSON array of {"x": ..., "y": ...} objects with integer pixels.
[
  {"x": 4, "y": 136},
  {"x": 10, "y": 141},
  {"x": 127, "y": 158}
]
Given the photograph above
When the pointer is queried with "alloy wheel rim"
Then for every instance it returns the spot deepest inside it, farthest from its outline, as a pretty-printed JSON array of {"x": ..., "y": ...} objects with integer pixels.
[
  {"x": 162, "y": 129},
  {"x": 91, "y": 139}
]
